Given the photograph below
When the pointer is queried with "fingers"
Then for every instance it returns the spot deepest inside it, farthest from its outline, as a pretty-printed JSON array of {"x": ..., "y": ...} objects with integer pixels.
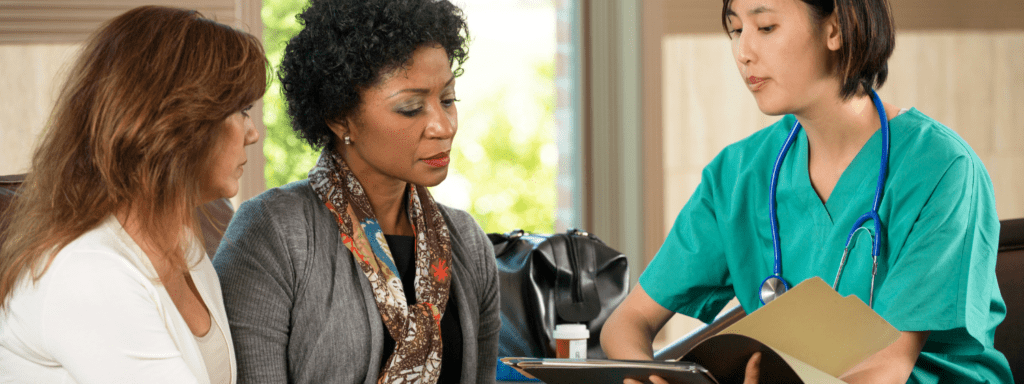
[
  {"x": 751, "y": 376},
  {"x": 653, "y": 379},
  {"x": 753, "y": 369}
]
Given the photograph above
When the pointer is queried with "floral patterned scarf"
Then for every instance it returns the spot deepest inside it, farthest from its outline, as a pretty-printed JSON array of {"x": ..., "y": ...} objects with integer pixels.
[{"x": 416, "y": 329}]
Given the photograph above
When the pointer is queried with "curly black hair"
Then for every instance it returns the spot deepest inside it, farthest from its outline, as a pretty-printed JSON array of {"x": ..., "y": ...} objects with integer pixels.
[{"x": 347, "y": 45}]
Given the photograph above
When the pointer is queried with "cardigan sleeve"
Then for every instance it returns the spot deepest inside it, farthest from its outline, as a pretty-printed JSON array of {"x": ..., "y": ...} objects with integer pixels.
[
  {"x": 257, "y": 278},
  {"x": 102, "y": 322},
  {"x": 490, "y": 306},
  {"x": 484, "y": 281}
]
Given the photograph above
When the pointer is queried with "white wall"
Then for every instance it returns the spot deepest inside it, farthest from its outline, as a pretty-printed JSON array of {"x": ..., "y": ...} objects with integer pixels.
[{"x": 29, "y": 84}]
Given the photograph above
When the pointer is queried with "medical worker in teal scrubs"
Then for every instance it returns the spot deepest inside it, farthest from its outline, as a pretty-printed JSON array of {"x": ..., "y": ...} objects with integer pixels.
[{"x": 817, "y": 63}]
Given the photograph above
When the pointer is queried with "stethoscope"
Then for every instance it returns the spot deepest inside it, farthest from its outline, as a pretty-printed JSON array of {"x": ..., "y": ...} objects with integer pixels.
[{"x": 774, "y": 286}]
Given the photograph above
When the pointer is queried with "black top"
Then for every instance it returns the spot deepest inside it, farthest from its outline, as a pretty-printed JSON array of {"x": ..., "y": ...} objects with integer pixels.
[{"x": 451, "y": 331}]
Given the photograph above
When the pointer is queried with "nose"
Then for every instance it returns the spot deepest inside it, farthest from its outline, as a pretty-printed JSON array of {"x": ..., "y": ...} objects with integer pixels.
[
  {"x": 251, "y": 134},
  {"x": 742, "y": 49},
  {"x": 443, "y": 124}
]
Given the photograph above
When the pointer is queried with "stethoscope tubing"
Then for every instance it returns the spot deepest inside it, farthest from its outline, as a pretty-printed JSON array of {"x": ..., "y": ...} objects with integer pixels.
[
  {"x": 771, "y": 204},
  {"x": 872, "y": 215}
]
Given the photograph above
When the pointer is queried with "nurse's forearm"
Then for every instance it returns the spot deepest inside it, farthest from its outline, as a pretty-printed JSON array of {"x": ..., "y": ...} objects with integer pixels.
[
  {"x": 623, "y": 337},
  {"x": 890, "y": 365},
  {"x": 631, "y": 328}
]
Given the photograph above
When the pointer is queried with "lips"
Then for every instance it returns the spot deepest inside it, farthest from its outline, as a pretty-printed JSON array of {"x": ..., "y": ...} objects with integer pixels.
[
  {"x": 439, "y": 160},
  {"x": 756, "y": 83}
]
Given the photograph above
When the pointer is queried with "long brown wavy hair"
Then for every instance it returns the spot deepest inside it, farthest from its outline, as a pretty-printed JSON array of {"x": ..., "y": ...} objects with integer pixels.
[{"x": 136, "y": 121}]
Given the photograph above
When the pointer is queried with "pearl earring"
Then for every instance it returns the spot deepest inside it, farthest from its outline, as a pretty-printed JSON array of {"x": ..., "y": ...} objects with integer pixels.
[{"x": 348, "y": 140}]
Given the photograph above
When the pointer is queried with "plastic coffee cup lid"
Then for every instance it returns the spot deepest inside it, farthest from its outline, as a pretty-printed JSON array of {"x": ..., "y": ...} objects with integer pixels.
[{"x": 571, "y": 331}]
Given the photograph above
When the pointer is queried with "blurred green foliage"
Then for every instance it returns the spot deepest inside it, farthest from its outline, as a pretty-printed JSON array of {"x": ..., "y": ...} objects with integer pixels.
[
  {"x": 507, "y": 173},
  {"x": 289, "y": 158},
  {"x": 511, "y": 170}
]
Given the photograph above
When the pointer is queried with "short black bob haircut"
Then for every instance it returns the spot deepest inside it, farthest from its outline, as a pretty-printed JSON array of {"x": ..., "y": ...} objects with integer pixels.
[
  {"x": 868, "y": 40},
  {"x": 347, "y": 45}
]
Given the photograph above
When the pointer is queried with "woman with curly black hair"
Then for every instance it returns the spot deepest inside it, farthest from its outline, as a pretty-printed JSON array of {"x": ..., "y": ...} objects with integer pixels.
[{"x": 356, "y": 274}]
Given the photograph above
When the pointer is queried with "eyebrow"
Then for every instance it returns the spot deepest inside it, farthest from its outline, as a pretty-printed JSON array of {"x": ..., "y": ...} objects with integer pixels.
[
  {"x": 421, "y": 90},
  {"x": 756, "y": 11},
  {"x": 760, "y": 9}
]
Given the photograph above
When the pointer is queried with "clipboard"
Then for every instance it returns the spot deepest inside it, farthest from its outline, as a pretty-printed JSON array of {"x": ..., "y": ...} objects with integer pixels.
[
  {"x": 811, "y": 334},
  {"x": 593, "y": 371}
]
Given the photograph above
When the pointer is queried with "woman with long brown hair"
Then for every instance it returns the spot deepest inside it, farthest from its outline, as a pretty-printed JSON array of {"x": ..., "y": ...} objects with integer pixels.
[{"x": 102, "y": 277}]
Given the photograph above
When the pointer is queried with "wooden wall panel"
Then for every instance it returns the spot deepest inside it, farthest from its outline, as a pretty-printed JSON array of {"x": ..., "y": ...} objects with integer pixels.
[
  {"x": 703, "y": 16},
  {"x": 71, "y": 21},
  {"x": 651, "y": 96},
  {"x": 692, "y": 16},
  {"x": 924, "y": 15}
]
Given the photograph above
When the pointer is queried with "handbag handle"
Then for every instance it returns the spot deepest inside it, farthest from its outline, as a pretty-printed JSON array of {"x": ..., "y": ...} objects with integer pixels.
[
  {"x": 576, "y": 299},
  {"x": 501, "y": 241}
]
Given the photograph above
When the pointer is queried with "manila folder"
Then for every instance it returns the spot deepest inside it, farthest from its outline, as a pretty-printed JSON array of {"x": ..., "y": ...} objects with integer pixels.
[{"x": 819, "y": 333}]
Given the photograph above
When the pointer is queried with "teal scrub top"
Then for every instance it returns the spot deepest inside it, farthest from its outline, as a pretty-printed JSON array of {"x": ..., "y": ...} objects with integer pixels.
[{"x": 936, "y": 270}]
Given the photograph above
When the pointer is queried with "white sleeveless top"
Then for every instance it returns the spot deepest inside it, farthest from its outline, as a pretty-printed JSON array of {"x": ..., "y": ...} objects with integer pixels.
[
  {"x": 214, "y": 348},
  {"x": 100, "y": 315}
]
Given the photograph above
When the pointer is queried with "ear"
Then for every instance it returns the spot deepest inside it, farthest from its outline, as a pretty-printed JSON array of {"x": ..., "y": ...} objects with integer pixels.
[
  {"x": 340, "y": 127},
  {"x": 833, "y": 34}
]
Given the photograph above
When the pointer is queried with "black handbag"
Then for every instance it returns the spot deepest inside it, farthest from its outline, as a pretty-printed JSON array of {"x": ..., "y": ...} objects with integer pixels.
[{"x": 555, "y": 279}]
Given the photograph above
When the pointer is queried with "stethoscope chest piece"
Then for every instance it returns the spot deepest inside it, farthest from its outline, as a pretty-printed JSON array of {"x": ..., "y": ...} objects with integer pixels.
[{"x": 772, "y": 288}]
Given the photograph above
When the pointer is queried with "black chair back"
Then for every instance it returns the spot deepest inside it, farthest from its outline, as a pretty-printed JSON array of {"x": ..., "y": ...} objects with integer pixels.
[
  {"x": 8, "y": 187},
  {"x": 1009, "y": 337}
]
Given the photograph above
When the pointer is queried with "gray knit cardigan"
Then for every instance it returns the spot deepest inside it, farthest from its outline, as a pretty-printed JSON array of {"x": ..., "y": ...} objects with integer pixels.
[{"x": 302, "y": 312}]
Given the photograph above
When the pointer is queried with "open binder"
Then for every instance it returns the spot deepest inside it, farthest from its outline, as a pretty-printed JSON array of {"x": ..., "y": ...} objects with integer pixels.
[{"x": 809, "y": 335}]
